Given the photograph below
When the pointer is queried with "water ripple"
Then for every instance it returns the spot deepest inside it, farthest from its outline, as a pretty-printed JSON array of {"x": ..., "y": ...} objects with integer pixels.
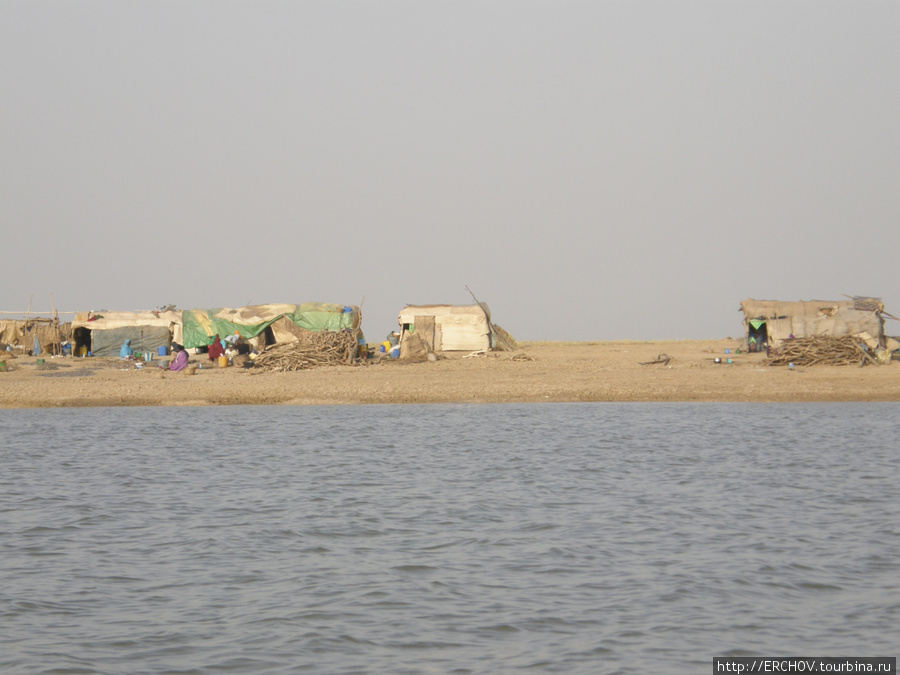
[{"x": 580, "y": 538}]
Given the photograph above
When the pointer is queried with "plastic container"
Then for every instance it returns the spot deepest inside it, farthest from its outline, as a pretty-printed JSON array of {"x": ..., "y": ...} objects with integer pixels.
[
  {"x": 161, "y": 350},
  {"x": 223, "y": 362},
  {"x": 82, "y": 351},
  {"x": 148, "y": 357}
]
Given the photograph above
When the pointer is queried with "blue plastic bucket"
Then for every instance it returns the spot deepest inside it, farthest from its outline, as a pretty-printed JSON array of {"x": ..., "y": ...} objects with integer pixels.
[{"x": 161, "y": 350}]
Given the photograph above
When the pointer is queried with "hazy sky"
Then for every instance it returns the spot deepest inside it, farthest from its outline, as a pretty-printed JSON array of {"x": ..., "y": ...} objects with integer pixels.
[{"x": 593, "y": 170}]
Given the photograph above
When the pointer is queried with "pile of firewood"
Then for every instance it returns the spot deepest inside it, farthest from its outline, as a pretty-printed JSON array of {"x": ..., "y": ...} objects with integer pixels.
[
  {"x": 825, "y": 350},
  {"x": 317, "y": 349}
]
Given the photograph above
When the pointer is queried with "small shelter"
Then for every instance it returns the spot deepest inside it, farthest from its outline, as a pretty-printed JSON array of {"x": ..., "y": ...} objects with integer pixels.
[
  {"x": 265, "y": 325},
  {"x": 444, "y": 328},
  {"x": 102, "y": 333},
  {"x": 770, "y": 322},
  {"x": 33, "y": 336}
]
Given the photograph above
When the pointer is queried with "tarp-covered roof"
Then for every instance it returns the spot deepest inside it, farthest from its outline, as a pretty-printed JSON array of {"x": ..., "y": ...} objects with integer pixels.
[
  {"x": 146, "y": 330},
  {"x": 199, "y": 325},
  {"x": 111, "y": 320}
]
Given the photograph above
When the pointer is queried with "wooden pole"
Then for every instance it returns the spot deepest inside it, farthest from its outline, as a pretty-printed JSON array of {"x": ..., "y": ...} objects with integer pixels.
[
  {"x": 494, "y": 333},
  {"x": 57, "y": 347}
]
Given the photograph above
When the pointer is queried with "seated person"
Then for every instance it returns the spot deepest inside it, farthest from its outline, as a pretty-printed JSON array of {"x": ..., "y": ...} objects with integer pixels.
[
  {"x": 181, "y": 358},
  {"x": 236, "y": 342},
  {"x": 126, "y": 352},
  {"x": 233, "y": 340}
]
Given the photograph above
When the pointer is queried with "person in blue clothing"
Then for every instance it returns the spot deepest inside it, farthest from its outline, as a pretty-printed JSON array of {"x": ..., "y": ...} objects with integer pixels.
[{"x": 126, "y": 352}]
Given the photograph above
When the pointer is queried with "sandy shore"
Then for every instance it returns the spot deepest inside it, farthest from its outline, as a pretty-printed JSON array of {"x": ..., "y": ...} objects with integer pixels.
[{"x": 539, "y": 372}]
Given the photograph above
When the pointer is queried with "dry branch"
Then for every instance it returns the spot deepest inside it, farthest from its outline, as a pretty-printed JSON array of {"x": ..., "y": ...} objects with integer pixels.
[
  {"x": 499, "y": 339},
  {"x": 326, "y": 348},
  {"x": 826, "y": 350}
]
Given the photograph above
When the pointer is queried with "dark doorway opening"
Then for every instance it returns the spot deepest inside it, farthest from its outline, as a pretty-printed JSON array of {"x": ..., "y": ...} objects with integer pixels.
[
  {"x": 757, "y": 336},
  {"x": 81, "y": 337}
]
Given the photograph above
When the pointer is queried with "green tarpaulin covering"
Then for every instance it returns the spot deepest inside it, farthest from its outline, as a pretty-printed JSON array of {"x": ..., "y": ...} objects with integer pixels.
[
  {"x": 199, "y": 325},
  {"x": 756, "y": 323}
]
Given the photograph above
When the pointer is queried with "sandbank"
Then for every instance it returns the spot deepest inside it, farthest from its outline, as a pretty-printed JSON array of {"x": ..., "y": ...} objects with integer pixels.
[{"x": 538, "y": 372}]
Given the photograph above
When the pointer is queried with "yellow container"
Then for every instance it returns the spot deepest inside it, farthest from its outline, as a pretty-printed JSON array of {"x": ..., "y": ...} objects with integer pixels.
[
  {"x": 82, "y": 350},
  {"x": 223, "y": 361}
]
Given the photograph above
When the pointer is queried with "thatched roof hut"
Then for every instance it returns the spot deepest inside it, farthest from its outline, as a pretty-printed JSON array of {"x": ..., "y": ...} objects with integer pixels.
[{"x": 770, "y": 322}]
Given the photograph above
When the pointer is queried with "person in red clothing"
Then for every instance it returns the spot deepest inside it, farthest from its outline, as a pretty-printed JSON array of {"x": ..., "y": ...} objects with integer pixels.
[{"x": 216, "y": 349}]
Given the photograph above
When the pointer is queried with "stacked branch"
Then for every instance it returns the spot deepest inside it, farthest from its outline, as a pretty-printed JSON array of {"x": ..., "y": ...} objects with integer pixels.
[
  {"x": 317, "y": 349},
  {"x": 824, "y": 350}
]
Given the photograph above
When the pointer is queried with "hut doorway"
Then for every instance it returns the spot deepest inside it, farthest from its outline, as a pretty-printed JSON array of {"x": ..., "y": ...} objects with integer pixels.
[
  {"x": 757, "y": 335},
  {"x": 81, "y": 338}
]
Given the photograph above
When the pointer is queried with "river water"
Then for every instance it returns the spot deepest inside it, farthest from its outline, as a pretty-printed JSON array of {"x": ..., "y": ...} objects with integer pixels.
[{"x": 559, "y": 538}]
